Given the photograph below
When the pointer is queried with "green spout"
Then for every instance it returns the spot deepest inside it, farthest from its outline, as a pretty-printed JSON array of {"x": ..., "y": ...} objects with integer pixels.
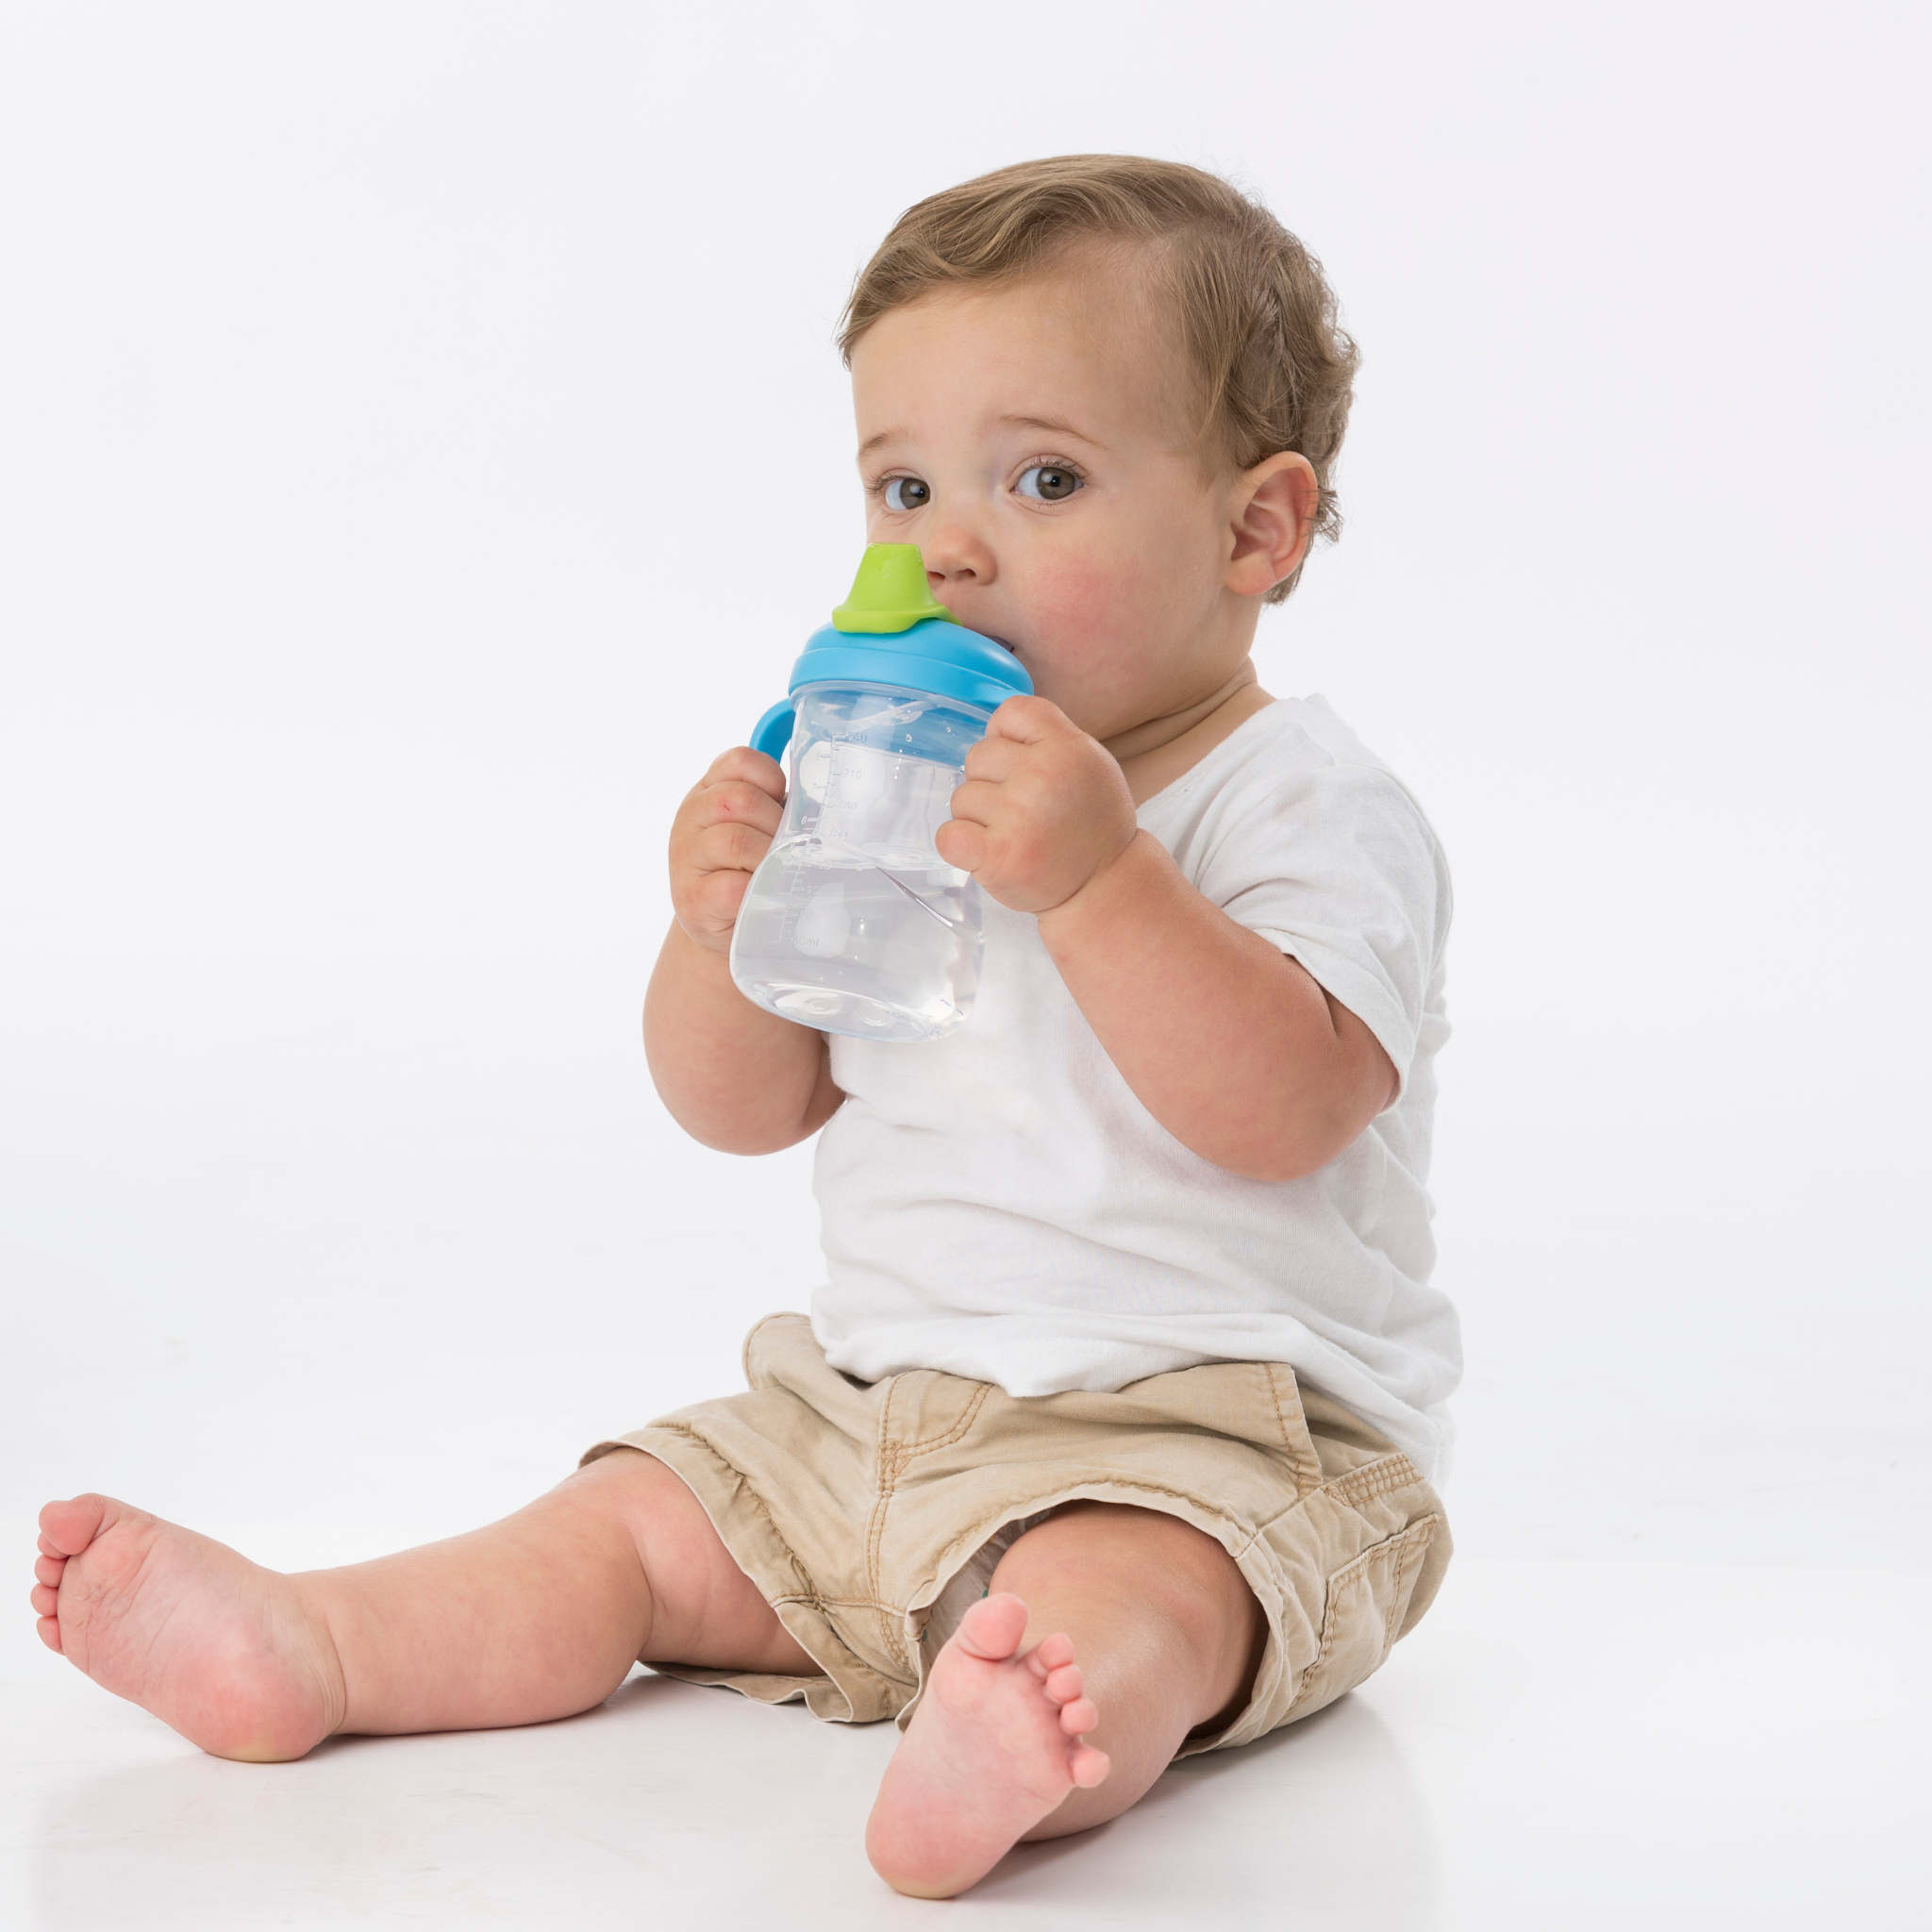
[{"x": 889, "y": 593}]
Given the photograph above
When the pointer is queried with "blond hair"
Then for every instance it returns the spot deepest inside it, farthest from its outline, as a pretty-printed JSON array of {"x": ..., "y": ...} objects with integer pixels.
[{"x": 1274, "y": 368}]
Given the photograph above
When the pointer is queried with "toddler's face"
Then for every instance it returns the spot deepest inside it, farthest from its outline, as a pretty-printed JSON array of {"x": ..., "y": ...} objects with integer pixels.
[{"x": 1035, "y": 441}]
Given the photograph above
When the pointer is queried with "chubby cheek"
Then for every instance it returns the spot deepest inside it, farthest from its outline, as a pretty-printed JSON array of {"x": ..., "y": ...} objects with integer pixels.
[{"x": 1090, "y": 637}]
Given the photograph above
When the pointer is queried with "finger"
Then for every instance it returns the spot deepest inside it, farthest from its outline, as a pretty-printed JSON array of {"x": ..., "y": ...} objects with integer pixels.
[
  {"x": 961, "y": 844},
  {"x": 1079, "y": 1716},
  {"x": 728, "y": 848},
  {"x": 994, "y": 758},
  {"x": 738, "y": 800},
  {"x": 696, "y": 821},
  {"x": 974, "y": 800},
  {"x": 718, "y": 898},
  {"x": 751, "y": 766}
]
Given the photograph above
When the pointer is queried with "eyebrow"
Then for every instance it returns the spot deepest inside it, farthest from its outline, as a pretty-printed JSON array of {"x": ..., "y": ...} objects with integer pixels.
[{"x": 1054, "y": 425}]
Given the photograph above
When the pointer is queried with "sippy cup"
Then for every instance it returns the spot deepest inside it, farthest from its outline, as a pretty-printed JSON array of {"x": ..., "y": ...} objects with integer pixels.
[{"x": 853, "y": 923}]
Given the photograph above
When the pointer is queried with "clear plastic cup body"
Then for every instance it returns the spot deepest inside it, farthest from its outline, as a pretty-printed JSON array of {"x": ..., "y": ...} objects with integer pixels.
[{"x": 853, "y": 923}]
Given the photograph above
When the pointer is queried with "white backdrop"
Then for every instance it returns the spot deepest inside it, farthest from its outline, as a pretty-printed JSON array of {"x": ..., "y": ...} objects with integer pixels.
[{"x": 423, "y": 450}]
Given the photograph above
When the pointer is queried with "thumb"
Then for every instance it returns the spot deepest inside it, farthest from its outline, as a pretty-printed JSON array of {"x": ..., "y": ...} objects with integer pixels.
[{"x": 1028, "y": 720}]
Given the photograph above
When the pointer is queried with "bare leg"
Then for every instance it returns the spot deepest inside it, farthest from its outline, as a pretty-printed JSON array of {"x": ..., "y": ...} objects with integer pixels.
[
  {"x": 539, "y": 1616},
  {"x": 1014, "y": 1738}
]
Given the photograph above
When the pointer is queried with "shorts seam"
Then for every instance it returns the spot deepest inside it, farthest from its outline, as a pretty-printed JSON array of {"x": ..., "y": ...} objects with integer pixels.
[
  {"x": 893, "y": 1460},
  {"x": 1306, "y": 1482},
  {"x": 1373, "y": 1479},
  {"x": 1410, "y": 1553},
  {"x": 758, "y": 1327},
  {"x": 1212, "y": 1509},
  {"x": 1400, "y": 1546},
  {"x": 855, "y": 1603},
  {"x": 1248, "y": 1533},
  {"x": 968, "y": 1416},
  {"x": 887, "y": 1466},
  {"x": 1274, "y": 1396}
]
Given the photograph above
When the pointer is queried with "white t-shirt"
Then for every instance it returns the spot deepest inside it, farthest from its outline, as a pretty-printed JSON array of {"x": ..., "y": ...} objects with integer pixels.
[{"x": 997, "y": 1203}]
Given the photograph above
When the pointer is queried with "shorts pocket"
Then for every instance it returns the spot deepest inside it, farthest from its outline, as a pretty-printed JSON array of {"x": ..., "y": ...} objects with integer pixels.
[{"x": 1367, "y": 1603}]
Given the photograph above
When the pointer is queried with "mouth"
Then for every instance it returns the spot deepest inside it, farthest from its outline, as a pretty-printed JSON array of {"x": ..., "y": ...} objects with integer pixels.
[{"x": 992, "y": 637}]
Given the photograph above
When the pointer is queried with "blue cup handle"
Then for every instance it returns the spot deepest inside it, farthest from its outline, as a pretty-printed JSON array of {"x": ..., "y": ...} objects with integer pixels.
[{"x": 773, "y": 732}]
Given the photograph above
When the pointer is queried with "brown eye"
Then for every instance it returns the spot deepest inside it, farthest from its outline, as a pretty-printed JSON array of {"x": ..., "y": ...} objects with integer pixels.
[
  {"x": 906, "y": 493},
  {"x": 1048, "y": 483}
]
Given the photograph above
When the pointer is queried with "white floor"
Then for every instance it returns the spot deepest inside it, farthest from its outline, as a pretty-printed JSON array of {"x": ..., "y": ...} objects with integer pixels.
[
  {"x": 386, "y": 464},
  {"x": 1559, "y": 1745}
]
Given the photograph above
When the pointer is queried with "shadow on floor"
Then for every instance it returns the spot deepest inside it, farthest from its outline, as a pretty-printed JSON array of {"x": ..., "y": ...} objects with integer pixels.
[
  {"x": 673, "y": 1800},
  {"x": 1326, "y": 1819}
]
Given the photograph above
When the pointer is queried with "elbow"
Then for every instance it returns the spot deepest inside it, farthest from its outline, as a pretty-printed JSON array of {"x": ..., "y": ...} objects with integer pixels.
[
  {"x": 1286, "y": 1150},
  {"x": 750, "y": 1138},
  {"x": 1295, "y": 1110},
  {"x": 1271, "y": 1165},
  {"x": 756, "y": 1133},
  {"x": 1320, "y": 1123},
  {"x": 735, "y": 1141}
]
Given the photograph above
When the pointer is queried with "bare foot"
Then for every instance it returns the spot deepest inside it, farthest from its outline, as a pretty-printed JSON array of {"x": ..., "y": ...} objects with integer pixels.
[
  {"x": 994, "y": 1745},
  {"x": 220, "y": 1649}
]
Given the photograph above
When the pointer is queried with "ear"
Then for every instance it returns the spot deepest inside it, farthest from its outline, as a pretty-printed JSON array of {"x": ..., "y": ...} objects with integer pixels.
[{"x": 1274, "y": 516}]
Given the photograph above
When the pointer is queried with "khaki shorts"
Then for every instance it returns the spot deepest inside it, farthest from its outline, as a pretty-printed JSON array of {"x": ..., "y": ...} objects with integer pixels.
[{"x": 870, "y": 1515}]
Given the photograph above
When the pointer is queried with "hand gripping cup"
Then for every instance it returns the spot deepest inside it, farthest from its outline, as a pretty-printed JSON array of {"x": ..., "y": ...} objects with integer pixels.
[{"x": 853, "y": 923}]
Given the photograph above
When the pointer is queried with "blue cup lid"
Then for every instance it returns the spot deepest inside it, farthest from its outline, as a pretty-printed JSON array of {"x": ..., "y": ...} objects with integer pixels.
[
  {"x": 937, "y": 655},
  {"x": 874, "y": 639}
]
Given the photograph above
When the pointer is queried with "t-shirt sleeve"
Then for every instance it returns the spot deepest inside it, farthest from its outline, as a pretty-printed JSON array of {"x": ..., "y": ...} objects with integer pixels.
[{"x": 1337, "y": 867}]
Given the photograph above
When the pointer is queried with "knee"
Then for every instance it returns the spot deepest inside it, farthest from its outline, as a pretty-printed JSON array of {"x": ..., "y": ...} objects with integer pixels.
[{"x": 1159, "y": 1564}]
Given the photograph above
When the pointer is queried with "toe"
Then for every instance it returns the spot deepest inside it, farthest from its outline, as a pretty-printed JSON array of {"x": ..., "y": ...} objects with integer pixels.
[
  {"x": 1050, "y": 1653},
  {"x": 992, "y": 1627},
  {"x": 1064, "y": 1684},
  {"x": 43, "y": 1599},
  {"x": 1079, "y": 1716},
  {"x": 72, "y": 1525},
  {"x": 48, "y": 1569},
  {"x": 50, "y": 1634},
  {"x": 1090, "y": 1767}
]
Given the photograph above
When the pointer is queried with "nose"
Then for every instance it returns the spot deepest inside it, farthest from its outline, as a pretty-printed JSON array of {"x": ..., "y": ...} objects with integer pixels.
[{"x": 956, "y": 555}]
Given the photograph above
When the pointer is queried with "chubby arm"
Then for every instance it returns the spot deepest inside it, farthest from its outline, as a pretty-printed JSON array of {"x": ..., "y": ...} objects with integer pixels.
[
  {"x": 1228, "y": 1044},
  {"x": 732, "y": 1075}
]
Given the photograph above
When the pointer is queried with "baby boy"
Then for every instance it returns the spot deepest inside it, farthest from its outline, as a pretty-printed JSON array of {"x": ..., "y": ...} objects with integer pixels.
[{"x": 1109, "y": 1437}]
